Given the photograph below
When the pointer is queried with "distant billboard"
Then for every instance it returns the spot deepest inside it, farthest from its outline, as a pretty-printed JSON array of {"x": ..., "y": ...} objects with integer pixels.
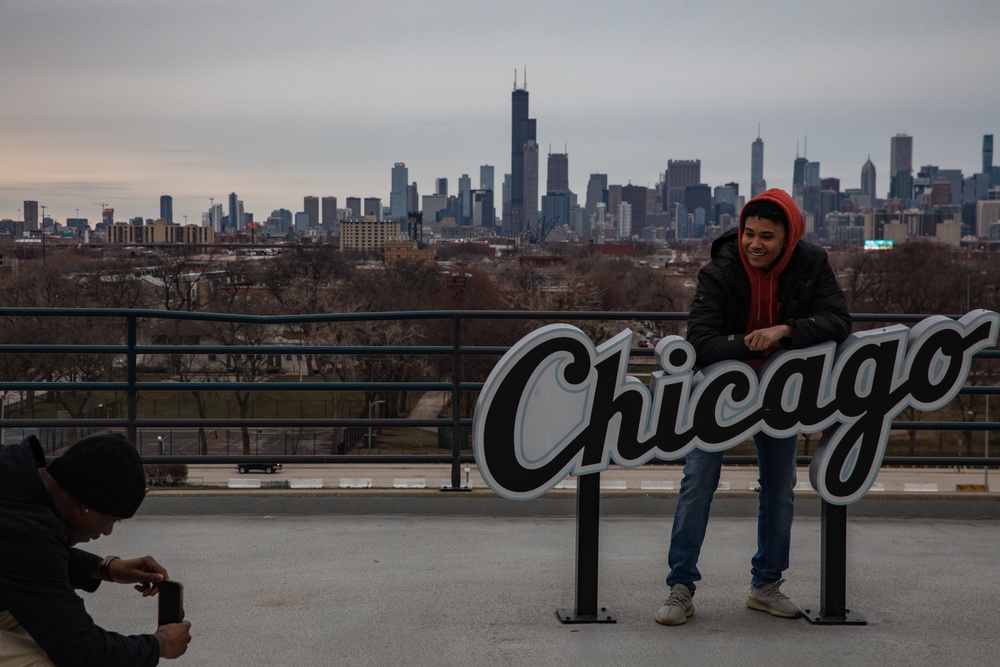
[{"x": 878, "y": 244}]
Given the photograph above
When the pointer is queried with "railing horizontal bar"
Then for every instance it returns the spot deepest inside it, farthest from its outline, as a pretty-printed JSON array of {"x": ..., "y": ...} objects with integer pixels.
[
  {"x": 945, "y": 426},
  {"x": 291, "y": 350},
  {"x": 211, "y": 459},
  {"x": 191, "y": 424},
  {"x": 398, "y": 315},
  {"x": 240, "y": 386},
  {"x": 888, "y": 461},
  {"x": 333, "y": 421},
  {"x": 62, "y": 349}
]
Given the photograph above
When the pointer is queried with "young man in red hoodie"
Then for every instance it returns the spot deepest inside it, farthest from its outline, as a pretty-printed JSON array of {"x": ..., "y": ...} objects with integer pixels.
[{"x": 763, "y": 290}]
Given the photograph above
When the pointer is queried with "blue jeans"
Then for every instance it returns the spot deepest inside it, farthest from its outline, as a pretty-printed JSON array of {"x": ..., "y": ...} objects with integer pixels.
[{"x": 776, "y": 464}]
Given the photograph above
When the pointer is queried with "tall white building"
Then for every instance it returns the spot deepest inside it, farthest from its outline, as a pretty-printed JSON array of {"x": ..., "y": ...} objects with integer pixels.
[{"x": 624, "y": 220}]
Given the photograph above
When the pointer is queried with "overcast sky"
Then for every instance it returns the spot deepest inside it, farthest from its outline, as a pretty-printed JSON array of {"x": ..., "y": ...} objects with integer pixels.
[{"x": 121, "y": 101}]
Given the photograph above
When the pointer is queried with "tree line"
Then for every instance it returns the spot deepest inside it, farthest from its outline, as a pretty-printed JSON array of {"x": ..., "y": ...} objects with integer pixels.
[{"x": 915, "y": 277}]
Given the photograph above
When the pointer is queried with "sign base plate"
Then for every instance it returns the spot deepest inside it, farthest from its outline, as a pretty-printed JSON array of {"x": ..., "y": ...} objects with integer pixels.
[
  {"x": 570, "y": 616},
  {"x": 849, "y": 618}
]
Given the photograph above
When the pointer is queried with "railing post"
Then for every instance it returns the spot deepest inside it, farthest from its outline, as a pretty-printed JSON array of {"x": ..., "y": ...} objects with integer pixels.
[
  {"x": 456, "y": 406},
  {"x": 131, "y": 393},
  {"x": 833, "y": 570},
  {"x": 588, "y": 519}
]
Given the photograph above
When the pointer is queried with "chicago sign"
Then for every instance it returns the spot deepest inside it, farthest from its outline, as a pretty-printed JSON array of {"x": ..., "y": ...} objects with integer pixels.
[{"x": 555, "y": 404}]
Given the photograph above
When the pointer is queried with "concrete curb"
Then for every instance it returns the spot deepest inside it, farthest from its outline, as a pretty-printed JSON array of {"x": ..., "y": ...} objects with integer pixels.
[{"x": 432, "y": 502}]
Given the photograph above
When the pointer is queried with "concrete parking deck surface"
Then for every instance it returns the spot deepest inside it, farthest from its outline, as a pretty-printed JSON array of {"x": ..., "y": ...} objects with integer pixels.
[{"x": 417, "y": 579}]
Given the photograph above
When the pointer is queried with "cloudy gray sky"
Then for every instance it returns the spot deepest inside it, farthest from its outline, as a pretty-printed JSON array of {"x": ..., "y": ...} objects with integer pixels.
[{"x": 120, "y": 101}]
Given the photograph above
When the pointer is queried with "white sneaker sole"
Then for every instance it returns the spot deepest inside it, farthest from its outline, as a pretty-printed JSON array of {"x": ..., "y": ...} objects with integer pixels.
[
  {"x": 688, "y": 613},
  {"x": 754, "y": 603}
]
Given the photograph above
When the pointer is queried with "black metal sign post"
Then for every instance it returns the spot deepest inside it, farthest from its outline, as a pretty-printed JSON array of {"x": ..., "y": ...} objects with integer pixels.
[
  {"x": 588, "y": 519},
  {"x": 833, "y": 570}
]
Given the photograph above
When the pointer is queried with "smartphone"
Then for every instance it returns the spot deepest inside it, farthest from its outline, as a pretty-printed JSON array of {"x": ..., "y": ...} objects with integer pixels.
[{"x": 171, "y": 602}]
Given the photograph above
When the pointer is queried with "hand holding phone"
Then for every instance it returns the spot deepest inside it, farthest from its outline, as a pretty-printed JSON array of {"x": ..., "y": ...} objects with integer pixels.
[{"x": 171, "y": 602}]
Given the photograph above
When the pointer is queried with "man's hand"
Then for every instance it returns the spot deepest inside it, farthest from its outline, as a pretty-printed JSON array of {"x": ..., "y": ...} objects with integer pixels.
[
  {"x": 765, "y": 339},
  {"x": 144, "y": 572},
  {"x": 174, "y": 639}
]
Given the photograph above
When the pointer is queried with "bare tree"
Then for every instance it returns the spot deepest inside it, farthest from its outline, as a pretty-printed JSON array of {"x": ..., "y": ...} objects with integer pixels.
[{"x": 236, "y": 290}]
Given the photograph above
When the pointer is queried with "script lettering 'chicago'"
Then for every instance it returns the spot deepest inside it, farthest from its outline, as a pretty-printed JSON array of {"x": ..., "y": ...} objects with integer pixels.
[{"x": 556, "y": 405}]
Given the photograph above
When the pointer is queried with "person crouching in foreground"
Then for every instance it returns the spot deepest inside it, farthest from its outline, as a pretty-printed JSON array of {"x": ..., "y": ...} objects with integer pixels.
[{"x": 44, "y": 512}]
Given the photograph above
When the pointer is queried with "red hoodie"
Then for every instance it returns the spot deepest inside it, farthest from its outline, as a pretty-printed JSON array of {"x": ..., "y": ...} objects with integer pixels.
[{"x": 764, "y": 306}]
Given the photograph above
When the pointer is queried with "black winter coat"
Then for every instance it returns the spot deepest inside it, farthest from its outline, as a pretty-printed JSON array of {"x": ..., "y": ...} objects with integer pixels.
[
  {"x": 39, "y": 571},
  {"x": 811, "y": 302}
]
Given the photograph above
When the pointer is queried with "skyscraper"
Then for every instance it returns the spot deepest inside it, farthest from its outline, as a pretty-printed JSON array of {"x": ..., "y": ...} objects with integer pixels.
[
  {"x": 522, "y": 133},
  {"x": 529, "y": 191},
  {"x": 30, "y": 214},
  {"x": 215, "y": 218},
  {"x": 397, "y": 196},
  {"x": 483, "y": 213},
  {"x": 811, "y": 175},
  {"x": 799, "y": 174},
  {"x": 412, "y": 199},
  {"x": 486, "y": 179},
  {"x": 624, "y": 220},
  {"x": 901, "y": 166},
  {"x": 441, "y": 186},
  {"x": 635, "y": 196},
  {"x": 167, "y": 209},
  {"x": 465, "y": 195},
  {"x": 373, "y": 208},
  {"x": 557, "y": 178},
  {"x": 987, "y": 153},
  {"x": 354, "y": 208},
  {"x": 555, "y": 209},
  {"x": 868, "y": 178},
  {"x": 680, "y": 174},
  {"x": 235, "y": 212},
  {"x": 597, "y": 191},
  {"x": 757, "y": 182},
  {"x": 329, "y": 213},
  {"x": 311, "y": 207}
]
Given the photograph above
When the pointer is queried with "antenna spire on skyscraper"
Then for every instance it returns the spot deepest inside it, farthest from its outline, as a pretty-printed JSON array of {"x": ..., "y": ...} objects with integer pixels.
[{"x": 515, "y": 78}]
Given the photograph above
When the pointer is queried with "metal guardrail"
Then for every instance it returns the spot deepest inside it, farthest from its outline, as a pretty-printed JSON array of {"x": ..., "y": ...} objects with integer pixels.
[{"x": 131, "y": 349}]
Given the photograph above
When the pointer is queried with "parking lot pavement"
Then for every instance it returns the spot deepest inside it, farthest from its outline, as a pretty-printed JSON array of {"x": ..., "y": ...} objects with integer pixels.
[{"x": 320, "y": 581}]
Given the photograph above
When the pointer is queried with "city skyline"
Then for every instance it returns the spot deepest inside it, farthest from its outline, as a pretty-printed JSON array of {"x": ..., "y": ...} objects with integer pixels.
[{"x": 119, "y": 103}]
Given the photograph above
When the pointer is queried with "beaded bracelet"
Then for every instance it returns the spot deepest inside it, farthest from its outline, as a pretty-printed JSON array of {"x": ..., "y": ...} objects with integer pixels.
[{"x": 105, "y": 568}]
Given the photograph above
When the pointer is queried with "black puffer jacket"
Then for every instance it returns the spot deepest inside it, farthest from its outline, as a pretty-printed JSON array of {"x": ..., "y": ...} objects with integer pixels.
[
  {"x": 39, "y": 571},
  {"x": 812, "y": 303}
]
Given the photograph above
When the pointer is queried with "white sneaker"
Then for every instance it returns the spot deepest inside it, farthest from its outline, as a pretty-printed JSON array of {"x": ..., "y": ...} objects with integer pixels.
[
  {"x": 770, "y": 599},
  {"x": 678, "y": 608}
]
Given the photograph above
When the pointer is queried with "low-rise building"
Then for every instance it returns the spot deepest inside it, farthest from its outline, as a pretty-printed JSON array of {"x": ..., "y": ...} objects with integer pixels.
[{"x": 158, "y": 233}]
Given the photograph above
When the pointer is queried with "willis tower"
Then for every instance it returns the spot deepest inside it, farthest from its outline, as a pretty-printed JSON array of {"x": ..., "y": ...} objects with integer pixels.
[{"x": 523, "y": 206}]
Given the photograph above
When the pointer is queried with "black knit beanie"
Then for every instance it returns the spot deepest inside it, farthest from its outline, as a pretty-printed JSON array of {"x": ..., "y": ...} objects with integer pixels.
[{"x": 104, "y": 472}]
